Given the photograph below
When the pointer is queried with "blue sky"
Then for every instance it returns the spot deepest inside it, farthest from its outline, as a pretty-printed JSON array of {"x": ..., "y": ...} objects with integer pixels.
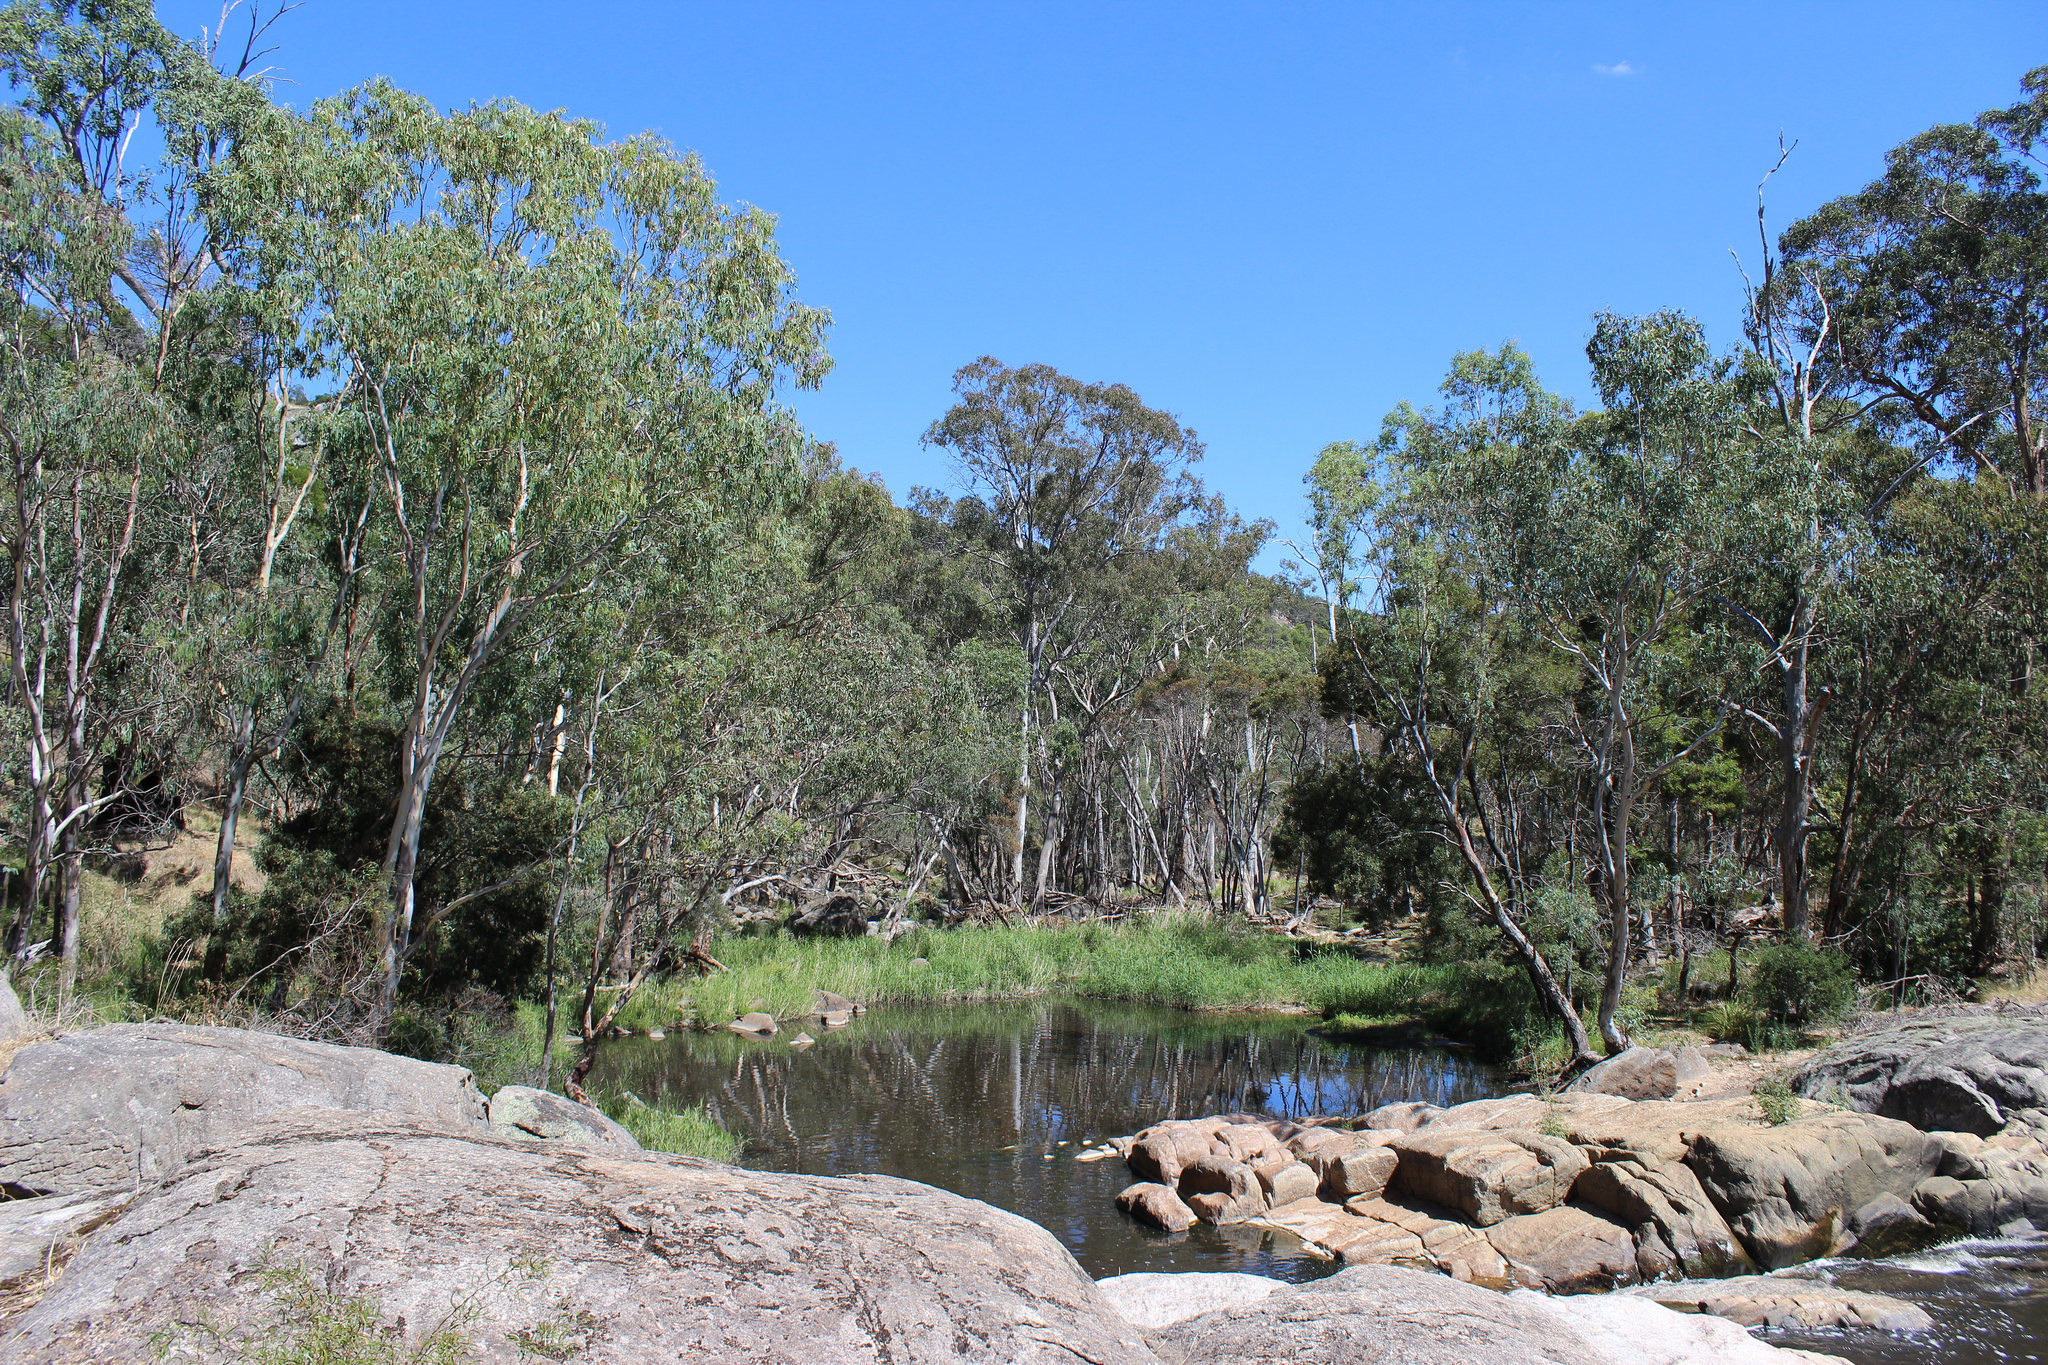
[{"x": 1275, "y": 221}]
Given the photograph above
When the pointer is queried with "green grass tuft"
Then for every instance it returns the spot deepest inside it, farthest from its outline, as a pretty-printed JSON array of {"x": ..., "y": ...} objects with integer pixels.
[{"x": 686, "y": 1132}]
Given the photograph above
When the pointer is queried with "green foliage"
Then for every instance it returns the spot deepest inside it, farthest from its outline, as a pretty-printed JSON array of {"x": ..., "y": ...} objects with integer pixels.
[
  {"x": 1774, "y": 1098},
  {"x": 1185, "y": 960},
  {"x": 687, "y": 1132},
  {"x": 1732, "y": 1021},
  {"x": 1797, "y": 983},
  {"x": 1364, "y": 832}
]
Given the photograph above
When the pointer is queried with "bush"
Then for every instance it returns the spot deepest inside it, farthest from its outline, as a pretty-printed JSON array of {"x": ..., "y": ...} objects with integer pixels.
[
  {"x": 1732, "y": 1021},
  {"x": 1774, "y": 1097},
  {"x": 1796, "y": 982}
]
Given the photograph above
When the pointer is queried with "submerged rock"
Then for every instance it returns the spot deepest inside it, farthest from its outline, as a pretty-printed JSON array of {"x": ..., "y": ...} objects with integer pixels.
[{"x": 1785, "y": 1301}]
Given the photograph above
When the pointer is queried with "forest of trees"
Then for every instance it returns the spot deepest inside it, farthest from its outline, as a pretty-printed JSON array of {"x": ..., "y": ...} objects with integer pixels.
[{"x": 418, "y": 490}]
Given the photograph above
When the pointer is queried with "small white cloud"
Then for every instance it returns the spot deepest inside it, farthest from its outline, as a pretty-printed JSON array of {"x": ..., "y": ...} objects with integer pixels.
[{"x": 1618, "y": 69}]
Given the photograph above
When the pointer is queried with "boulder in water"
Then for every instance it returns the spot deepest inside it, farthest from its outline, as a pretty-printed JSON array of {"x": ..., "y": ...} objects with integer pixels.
[
  {"x": 1157, "y": 1205},
  {"x": 1786, "y": 1301},
  {"x": 1788, "y": 1191}
]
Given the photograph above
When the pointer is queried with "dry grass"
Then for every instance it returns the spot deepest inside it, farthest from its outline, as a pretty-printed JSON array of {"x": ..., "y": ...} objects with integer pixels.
[
  {"x": 154, "y": 880},
  {"x": 2031, "y": 989}
]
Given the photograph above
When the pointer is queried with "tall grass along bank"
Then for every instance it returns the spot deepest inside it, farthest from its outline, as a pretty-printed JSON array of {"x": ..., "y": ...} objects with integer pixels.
[{"x": 1184, "y": 961}]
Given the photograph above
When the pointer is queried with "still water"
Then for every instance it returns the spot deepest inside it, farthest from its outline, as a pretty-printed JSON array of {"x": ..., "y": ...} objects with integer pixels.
[{"x": 995, "y": 1101}]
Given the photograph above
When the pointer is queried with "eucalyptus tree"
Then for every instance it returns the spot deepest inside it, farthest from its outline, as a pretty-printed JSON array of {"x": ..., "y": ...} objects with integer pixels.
[
  {"x": 1933, "y": 281},
  {"x": 89, "y": 430},
  {"x": 1066, "y": 482},
  {"x": 1605, "y": 533},
  {"x": 551, "y": 345},
  {"x": 1427, "y": 659}
]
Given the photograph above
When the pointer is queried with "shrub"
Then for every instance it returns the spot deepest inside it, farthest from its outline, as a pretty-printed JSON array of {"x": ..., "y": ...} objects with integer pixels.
[
  {"x": 1773, "y": 1095},
  {"x": 1796, "y": 982},
  {"x": 1732, "y": 1021}
]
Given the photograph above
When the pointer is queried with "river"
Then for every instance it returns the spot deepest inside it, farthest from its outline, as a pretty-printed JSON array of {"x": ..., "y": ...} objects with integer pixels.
[{"x": 995, "y": 1101}]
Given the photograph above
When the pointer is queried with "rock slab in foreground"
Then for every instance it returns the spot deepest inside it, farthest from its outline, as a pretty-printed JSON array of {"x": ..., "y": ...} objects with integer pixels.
[
  {"x": 1380, "y": 1315},
  {"x": 122, "y": 1107},
  {"x": 1154, "y": 1300},
  {"x": 649, "y": 1257},
  {"x": 1967, "y": 1073}
]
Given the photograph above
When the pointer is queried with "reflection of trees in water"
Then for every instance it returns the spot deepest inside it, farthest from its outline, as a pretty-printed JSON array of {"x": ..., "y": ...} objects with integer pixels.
[{"x": 907, "y": 1091}]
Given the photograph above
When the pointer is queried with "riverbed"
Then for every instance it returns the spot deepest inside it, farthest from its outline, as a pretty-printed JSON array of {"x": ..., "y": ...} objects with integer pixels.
[{"x": 996, "y": 1101}]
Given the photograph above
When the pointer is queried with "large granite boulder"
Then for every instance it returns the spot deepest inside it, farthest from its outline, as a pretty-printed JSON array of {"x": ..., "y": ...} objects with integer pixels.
[
  {"x": 1567, "y": 1250},
  {"x": 1789, "y": 1191},
  {"x": 1678, "y": 1229},
  {"x": 1967, "y": 1073},
  {"x": 122, "y": 1107},
  {"x": 1357, "y": 1172},
  {"x": 1164, "y": 1150},
  {"x": 1488, "y": 1174},
  {"x": 628, "y": 1256},
  {"x": 1645, "y": 1073},
  {"x": 521, "y": 1111},
  {"x": 1220, "y": 1190}
]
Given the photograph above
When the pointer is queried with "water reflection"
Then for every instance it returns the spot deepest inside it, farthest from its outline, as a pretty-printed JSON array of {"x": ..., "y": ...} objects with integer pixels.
[{"x": 993, "y": 1101}]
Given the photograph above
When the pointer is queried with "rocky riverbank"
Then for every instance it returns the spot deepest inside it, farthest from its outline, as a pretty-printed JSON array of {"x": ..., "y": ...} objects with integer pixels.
[
  {"x": 185, "y": 1193},
  {"x": 1652, "y": 1169}
]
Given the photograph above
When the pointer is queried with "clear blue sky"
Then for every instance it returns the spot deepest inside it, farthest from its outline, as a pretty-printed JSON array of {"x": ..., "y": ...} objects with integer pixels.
[{"x": 1275, "y": 221}]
